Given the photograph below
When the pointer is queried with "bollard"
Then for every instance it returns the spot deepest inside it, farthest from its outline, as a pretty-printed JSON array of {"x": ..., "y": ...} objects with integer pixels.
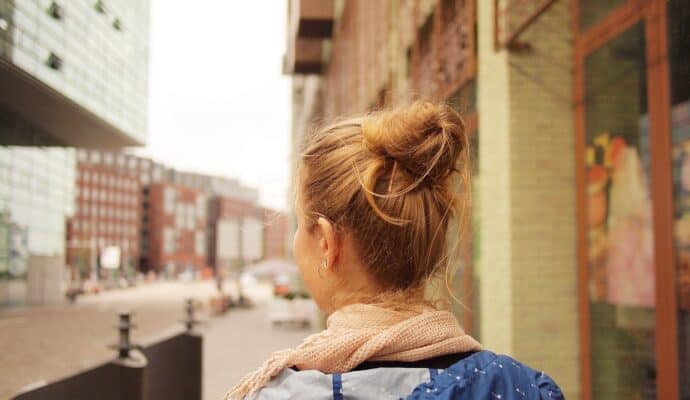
[
  {"x": 129, "y": 366},
  {"x": 192, "y": 389},
  {"x": 190, "y": 321},
  {"x": 124, "y": 345}
]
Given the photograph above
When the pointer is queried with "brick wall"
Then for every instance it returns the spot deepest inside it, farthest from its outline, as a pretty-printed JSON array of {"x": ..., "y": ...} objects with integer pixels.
[
  {"x": 107, "y": 213},
  {"x": 185, "y": 220}
]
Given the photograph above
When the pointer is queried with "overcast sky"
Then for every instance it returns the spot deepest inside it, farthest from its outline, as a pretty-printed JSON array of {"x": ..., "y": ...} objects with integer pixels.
[{"x": 219, "y": 103}]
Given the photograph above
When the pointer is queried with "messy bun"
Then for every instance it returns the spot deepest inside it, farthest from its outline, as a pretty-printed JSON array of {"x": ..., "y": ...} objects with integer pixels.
[
  {"x": 387, "y": 180},
  {"x": 425, "y": 139}
]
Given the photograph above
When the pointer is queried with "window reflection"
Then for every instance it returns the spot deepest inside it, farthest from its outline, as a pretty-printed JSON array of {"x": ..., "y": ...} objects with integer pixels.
[
  {"x": 620, "y": 234},
  {"x": 679, "y": 62}
]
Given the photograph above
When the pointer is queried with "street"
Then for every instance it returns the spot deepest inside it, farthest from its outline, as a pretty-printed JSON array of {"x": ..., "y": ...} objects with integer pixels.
[{"x": 42, "y": 344}]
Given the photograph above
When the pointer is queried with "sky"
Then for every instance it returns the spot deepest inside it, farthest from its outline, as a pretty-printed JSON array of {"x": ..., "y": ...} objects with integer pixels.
[{"x": 218, "y": 102}]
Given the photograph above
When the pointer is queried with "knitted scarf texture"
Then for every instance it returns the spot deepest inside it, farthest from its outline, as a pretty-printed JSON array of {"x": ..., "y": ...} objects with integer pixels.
[{"x": 366, "y": 332}]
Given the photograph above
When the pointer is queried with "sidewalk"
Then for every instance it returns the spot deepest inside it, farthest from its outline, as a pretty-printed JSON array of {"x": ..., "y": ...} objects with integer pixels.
[
  {"x": 238, "y": 343},
  {"x": 43, "y": 344}
]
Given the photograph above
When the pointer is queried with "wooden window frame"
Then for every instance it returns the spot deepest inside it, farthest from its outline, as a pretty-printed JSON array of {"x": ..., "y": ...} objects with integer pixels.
[{"x": 653, "y": 14}]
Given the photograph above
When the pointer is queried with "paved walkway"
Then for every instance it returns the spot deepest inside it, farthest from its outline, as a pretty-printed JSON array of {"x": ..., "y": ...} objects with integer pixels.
[
  {"x": 239, "y": 343},
  {"x": 42, "y": 344}
]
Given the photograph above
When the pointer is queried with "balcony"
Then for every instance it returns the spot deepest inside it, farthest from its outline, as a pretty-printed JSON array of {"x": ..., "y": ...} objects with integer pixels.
[{"x": 310, "y": 23}]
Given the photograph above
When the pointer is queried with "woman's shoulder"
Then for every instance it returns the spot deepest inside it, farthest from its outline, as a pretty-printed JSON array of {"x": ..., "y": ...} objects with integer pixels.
[
  {"x": 482, "y": 375},
  {"x": 377, "y": 383},
  {"x": 487, "y": 375}
]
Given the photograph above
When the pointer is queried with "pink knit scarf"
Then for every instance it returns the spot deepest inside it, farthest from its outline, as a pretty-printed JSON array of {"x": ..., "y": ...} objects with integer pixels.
[{"x": 360, "y": 332}]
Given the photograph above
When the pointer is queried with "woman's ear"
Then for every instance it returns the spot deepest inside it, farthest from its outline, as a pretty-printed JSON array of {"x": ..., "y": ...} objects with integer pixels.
[{"x": 328, "y": 242}]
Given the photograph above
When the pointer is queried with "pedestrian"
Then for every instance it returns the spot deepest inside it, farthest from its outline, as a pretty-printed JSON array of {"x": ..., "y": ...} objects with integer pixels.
[{"x": 376, "y": 196}]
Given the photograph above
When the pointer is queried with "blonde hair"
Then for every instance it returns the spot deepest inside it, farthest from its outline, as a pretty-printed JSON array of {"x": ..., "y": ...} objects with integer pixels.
[{"x": 387, "y": 179}]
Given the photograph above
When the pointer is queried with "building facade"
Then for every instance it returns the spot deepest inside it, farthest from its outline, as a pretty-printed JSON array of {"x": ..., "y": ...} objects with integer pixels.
[
  {"x": 235, "y": 229},
  {"x": 147, "y": 172},
  {"x": 215, "y": 185},
  {"x": 276, "y": 236},
  {"x": 107, "y": 215},
  {"x": 74, "y": 72},
  {"x": 578, "y": 113},
  {"x": 177, "y": 229},
  {"x": 36, "y": 198}
]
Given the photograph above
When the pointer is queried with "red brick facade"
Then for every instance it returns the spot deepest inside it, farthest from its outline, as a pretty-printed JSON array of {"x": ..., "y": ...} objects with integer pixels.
[
  {"x": 107, "y": 213},
  {"x": 177, "y": 228},
  {"x": 383, "y": 52}
]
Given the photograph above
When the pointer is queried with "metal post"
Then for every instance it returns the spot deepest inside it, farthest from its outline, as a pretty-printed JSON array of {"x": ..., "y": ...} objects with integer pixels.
[
  {"x": 124, "y": 344},
  {"x": 190, "y": 320},
  {"x": 130, "y": 366}
]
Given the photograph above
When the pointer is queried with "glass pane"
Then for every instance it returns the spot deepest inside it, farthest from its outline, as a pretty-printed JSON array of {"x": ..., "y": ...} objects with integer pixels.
[
  {"x": 591, "y": 11},
  {"x": 620, "y": 233},
  {"x": 679, "y": 60}
]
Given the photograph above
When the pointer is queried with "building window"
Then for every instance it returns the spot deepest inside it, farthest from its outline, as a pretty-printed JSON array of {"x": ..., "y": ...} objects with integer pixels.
[
  {"x": 620, "y": 251},
  {"x": 54, "y": 61},
  {"x": 56, "y": 11},
  {"x": 678, "y": 12},
  {"x": 188, "y": 215},
  {"x": 200, "y": 243},
  {"x": 201, "y": 207},
  {"x": 169, "y": 200},
  {"x": 100, "y": 6},
  {"x": 168, "y": 240},
  {"x": 180, "y": 216}
]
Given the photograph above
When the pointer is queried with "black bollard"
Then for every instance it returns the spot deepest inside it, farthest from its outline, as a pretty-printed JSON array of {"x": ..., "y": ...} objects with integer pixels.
[
  {"x": 130, "y": 363},
  {"x": 190, "y": 321},
  {"x": 124, "y": 345}
]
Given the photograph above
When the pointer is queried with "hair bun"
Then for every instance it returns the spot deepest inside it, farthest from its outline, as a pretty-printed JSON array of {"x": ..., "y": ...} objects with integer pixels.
[{"x": 425, "y": 138}]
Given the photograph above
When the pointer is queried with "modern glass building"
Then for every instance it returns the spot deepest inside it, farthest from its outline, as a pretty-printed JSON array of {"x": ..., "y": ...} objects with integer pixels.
[
  {"x": 73, "y": 72},
  {"x": 36, "y": 195}
]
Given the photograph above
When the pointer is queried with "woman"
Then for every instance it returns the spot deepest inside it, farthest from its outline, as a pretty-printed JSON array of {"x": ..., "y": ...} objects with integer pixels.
[{"x": 375, "y": 197}]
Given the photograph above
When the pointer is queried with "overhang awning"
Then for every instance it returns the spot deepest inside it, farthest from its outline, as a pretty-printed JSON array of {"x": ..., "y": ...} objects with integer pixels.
[{"x": 55, "y": 115}]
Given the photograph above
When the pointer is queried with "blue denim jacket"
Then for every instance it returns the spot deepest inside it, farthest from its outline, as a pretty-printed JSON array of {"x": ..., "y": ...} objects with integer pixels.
[{"x": 483, "y": 375}]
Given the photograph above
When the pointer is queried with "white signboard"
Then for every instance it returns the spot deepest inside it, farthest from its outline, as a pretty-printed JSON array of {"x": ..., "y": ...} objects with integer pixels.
[
  {"x": 252, "y": 239},
  {"x": 110, "y": 257},
  {"x": 228, "y": 239}
]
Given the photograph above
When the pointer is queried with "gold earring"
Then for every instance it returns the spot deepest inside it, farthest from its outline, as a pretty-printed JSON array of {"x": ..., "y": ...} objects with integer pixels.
[{"x": 323, "y": 265}]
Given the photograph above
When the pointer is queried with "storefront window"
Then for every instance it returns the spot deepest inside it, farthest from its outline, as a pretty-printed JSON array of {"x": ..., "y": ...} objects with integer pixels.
[
  {"x": 679, "y": 63},
  {"x": 592, "y": 11},
  {"x": 619, "y": 220}
]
